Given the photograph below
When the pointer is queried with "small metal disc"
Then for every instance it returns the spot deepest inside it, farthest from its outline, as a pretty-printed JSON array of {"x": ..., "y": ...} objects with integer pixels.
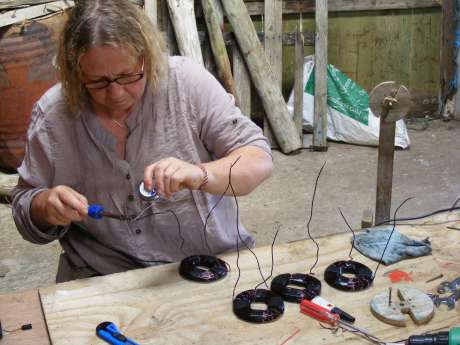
[
  {"x": 398, "y": 109},
  {"x": 147, "y": 195}
]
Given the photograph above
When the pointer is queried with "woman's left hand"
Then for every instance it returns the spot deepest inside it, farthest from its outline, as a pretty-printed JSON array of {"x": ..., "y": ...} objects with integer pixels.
[{"x": 170, "y": 175}]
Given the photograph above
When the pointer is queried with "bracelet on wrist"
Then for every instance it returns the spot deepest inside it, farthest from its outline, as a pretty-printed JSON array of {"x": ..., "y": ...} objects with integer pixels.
[{"x": 205, "y": 176}]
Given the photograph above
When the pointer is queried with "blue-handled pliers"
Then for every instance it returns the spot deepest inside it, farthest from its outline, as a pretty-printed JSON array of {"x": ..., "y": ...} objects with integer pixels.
[{"x": 110, "y": 333}]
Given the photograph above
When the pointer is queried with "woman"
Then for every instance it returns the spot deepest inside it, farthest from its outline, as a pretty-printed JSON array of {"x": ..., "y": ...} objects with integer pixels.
[{"x": 124, "y": 113}]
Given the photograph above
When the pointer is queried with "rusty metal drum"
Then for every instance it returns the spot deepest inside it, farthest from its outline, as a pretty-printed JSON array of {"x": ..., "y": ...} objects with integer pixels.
[{"x": 27, "y": 52}]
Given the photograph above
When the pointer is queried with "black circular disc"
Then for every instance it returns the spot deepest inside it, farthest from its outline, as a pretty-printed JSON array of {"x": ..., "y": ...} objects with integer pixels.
[
  {"x": 203, "y": 268},
  {"x": 242, "y": 306},
  {"x": 335, "y": 276},
  {"x": 311, "y": 286}
]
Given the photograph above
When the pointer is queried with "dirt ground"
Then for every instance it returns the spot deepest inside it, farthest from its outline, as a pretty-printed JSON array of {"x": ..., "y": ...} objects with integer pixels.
[{"x": 429, "y": 172}]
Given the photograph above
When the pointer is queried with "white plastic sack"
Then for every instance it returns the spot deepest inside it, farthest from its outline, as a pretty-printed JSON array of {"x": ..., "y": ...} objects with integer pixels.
[{"x": 349, "y": 118}]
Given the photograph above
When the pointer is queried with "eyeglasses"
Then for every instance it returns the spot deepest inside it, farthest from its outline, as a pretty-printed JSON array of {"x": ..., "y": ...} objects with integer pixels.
[{"x": 122, "y": 80}]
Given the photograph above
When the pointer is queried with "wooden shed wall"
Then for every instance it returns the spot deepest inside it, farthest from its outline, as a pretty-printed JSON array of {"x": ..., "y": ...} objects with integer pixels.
[{"x": 375, "y": 46}]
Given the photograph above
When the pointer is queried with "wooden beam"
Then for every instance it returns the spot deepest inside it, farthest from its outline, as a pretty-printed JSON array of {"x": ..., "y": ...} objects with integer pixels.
[
  {"x": 16, "y": 4},
  {"x": 273, "y": 32},
  {"x": 165, "y": 25},
  {"x": 447, "y": 63},
  {"x": 22, "y": 308},
  {"x": 213, "y": 23},
  {"x": 288, "y": 38},
  {"x": 242, "y": 81},
  {"x": 182, "y": 14},
  {"x": 308, "y": 6},
  {"x": 273, "y": 45},
  {"x": 298, "y": 83},
  {"x": 385, "y": 170},
  {"x": 262, "y": 76},
  {"x": 31, "y": 12},
  {"x": 320, "y": 105}
]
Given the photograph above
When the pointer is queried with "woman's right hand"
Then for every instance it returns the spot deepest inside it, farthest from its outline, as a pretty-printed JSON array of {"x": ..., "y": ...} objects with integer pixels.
[{"x": 59, "y": 205}]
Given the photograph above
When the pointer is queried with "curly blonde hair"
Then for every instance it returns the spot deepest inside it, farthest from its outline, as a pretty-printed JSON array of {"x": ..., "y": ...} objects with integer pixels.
[{"x": 118, "y": 23}]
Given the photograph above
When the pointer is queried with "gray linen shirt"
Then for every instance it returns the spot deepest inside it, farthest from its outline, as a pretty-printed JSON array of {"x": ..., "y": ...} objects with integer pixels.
[{"x": 190, "y": 117}]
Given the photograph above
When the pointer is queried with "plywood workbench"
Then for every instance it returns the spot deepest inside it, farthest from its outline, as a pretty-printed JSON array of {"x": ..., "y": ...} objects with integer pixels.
[{"x": 156, "y": 306}]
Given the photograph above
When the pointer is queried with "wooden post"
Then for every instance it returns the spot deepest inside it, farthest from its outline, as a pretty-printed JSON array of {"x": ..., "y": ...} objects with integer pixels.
[
  {"x": 209, "y": 61},
  {"x": 447, "y": 66},
  {"x": 320, "y": 106},
  {"x": 20, "y": 15},
  {"x": 385, "y": 170},
  {"x": 367, "y": 221},
  {"x": 182, "y": 15},
  {"x": 262, "y": 76},
  {"x": 391, "y": 102},
  {"x": 298, "y": 82},
  {"x": 273, "y": 44},
  {"x": 150, "y": 8},
  {"x": 242, "y": 81},
  {"x": 456, "y": 112},
  {"x": 164, "y": 24},
  {"x": 218, "y": 46}
]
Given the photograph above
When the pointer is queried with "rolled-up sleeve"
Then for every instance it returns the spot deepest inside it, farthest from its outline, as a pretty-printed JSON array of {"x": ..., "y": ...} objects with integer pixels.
[
  {"x": 223, "y": 127},
  {"x": 36, "y": 175}
]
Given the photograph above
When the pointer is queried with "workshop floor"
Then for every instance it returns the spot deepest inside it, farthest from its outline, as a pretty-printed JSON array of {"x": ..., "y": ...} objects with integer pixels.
[{"x": 429, "y": 172}]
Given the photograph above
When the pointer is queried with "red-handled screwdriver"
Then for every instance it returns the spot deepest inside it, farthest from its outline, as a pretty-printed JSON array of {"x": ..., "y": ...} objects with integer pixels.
[{"x": 324, "y": 315}]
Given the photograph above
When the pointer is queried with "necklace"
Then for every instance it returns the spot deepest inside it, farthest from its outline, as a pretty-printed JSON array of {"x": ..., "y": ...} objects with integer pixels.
[{"x": 119, "y": 124}]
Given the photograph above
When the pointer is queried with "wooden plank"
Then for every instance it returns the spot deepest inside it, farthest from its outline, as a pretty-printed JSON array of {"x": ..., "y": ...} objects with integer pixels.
[
  {"x": 156, "y": 306},
  {"x": 427, "y": 76},
  {"x": 182, "y": 14},
  {"x": 447, "y": 62},
  {"x": 17, "y": 309},
  {"x": 206, "y": 50},
  {"x": 164, "y": 23},
  {"x": 150, "y": 7},
  {"x": 320, "y": 105},
  {"x": 273, "y": 31},
  {"x": 213, "y": 20},
  {"x": 308, "y": 6},
  {"x": 385, "y": 171},
  {"x": 273, "y": 45},
  {"x": 262, "y": 76},
  {"x": 456, "y": 110},
  {"x": 288, "y": 38},
  {"x": 20, "y": 15},
  {"x": 298, "y": 83},
  {"x": 351, "y": 43},
  {"x": 240, "y": 74},
  {"x": 16, "y": 4},
  {"x": 242, "y": 81},
  {"x": 360, "y": 45}
]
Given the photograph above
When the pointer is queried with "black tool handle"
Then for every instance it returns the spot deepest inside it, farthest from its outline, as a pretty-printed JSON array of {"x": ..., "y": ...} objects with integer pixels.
[{"x": 441, "y": 338}]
